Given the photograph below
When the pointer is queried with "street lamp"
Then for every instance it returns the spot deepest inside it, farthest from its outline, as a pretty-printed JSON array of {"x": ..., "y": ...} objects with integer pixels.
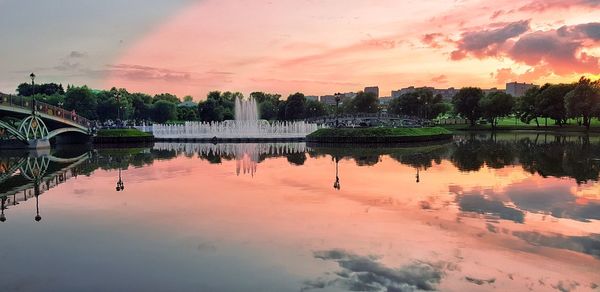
[
  {"x": 337, "y": 109},
  {"x": 118, "y": 98},
  {"x": 32, "y": 76}
]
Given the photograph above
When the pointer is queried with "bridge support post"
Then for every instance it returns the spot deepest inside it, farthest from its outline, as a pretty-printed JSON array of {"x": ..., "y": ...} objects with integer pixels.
[{"x": 38, "y": 144}]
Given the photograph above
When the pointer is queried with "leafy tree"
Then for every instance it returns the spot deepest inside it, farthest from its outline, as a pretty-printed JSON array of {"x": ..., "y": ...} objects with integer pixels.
[
  {"x": 364, "y": 103},
  {"x": 551, "y": 102},
  {"x": 166, "y": 96},
  {"x": 295, "y": 106},
  {"x": 466, "y": 103},
  {"x": 421, "y": 103},
  {"x": 112, "y": 103},
  {"x": 267, "y": 110},
  {"x": 527, "y": 106},
  {"x": 209, "y": 111},
  {"x": 54, "y": 99},
  {"x": 163, "y": 111},
  {"x": 82, "y": 101},
  {"x": 185, "y": 113},
  {"x": 495, "y": 105},
  {"x": 315, "y": 109},
  {"x": 26, "y": 89},
  {"x": 281, "y": 108},
  {"x": 141, "y": 106},
  {"x": 584, "y": 100},
  {"x": 188, "y": 98},
  {"x": 261, "y": 97}
]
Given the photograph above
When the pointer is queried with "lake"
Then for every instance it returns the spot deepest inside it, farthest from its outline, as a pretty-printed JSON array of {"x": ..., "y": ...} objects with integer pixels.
[{"x": 506, "y": 212}]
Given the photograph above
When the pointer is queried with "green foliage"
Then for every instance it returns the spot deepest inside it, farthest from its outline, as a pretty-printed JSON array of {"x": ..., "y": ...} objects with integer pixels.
[
  {"x": 378, "y": 132},
  {"x": 82, "y": 101},
  {"x": 26, "y": 89},
  {"x": 185, "y": 113},
  {"x": 141, "y": 106},
  {"x": 363, "y": 103},
  {"x": 267, "y": 110},
  {"x": 496, "y": 104},
  {"x": 121, "y": 133},
  {"x": 209, "y": 110},
  {"x": 315, "y": 109},
  {"x": 526, "y": 106},
  {"x": 584, "y": 100},
  {"x": 54, "y": 99},
  {"x": 295, "y": 106},
  {"x": 551, "y": 102},
  {"x": 421, "y": 103},
  {"x": 163, "y": 111},
  {"x": 261, "y": 97},
  {"x": 466, "y": 103},
  {"x": 167, "y": 97},
  {"x": 188, "y": 98}
]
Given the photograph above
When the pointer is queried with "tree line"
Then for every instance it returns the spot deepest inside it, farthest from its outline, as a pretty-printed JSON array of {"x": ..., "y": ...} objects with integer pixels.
[{"x": 557, "y": 102}]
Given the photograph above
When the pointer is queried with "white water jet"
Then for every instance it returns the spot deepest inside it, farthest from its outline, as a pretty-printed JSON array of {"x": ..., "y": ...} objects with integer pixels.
[{"x": 245, "y": 126}]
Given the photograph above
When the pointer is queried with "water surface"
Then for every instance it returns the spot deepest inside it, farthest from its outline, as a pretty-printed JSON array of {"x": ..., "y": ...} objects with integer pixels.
[{"x": 509, "y": 212}]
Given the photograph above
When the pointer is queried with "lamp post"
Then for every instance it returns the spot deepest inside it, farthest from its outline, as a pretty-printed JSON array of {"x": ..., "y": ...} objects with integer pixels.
[
  {"x": 337, "y": 109},
  {"x": 32, "y": 76},
  {"x": 118, "y": 98}
]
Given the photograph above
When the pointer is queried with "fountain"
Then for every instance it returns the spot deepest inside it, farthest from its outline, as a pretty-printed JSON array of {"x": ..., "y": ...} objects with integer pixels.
[{"x": 246, "y": 126}]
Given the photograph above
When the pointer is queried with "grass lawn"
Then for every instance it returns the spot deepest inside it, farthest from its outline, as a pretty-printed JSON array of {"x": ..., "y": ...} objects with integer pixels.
[
  {"x": 378, "y": 132},
  {"x": 510, "y": 123},
  {"x": 122, "y": 133}
]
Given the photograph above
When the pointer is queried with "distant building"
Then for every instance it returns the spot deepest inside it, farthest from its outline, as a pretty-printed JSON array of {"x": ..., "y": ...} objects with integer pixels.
[
  {"x": 312, "y": 97},
  {"x": 373, "y": 90},
  {"x": 517, "y": 89},
  {"x": 327, "y": 99},
  {"x": 493, "y": 89},
  {"x": 385, "y": 101},
  {"x": 330, "y": 99}
]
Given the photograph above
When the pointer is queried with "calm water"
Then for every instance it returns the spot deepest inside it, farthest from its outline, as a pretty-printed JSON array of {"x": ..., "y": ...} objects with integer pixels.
[{"x": 510, "y": 212}]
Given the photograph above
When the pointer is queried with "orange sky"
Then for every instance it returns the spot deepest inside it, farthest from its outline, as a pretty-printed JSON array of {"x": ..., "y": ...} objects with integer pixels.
[{"x": 322, "y": 47}]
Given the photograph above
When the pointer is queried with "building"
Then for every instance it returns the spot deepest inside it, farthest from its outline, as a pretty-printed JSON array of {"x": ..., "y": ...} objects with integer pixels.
[
  {"x": 493, "y": 89},
  {"x": 373, "y": 90},
  {"x": 518, "y": 89},
  {"x": 385, "y": 101},
  {"x": 312, "y": 97},
  {"x": 343, "y": 97}
]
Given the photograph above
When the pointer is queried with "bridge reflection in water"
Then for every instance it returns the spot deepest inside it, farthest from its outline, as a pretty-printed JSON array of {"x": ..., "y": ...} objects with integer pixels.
[{"x": 28, "y": 176}]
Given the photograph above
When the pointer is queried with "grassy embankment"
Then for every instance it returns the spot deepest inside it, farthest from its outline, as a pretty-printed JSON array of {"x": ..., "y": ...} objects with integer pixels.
[
  {"x": 509, "y": 124},
  {"x": 122, "y": 133},
  {"x": 379, "y": 135}
]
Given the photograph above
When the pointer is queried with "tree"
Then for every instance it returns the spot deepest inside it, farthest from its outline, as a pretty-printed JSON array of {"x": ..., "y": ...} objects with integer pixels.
[
  {"x": 551, "y": 102},
  {"x": 82, "y": 101},
  {"x": 527, "y": 106},
  {"x": 314, "y": 109},
  {"x": 26, "y": 89},
  {"x": 188, "y": 98},
  {"x": 267, "y": 110},
  {"x": 466, "y": 103},
  {"x": 141, "y": 106},
  {"x": 163, "y": 111},
  {"x": 295, "y": 106},
  {"x": 495, "y": 105},
  {"x": 261, "y": 97},
  {"x": 186, "y": 113},
  {"x": 584, "y": 100},
  {"x": 421, "y": 103},
  {"x": 209, "y": 111},
  {"x": 54, "y": 99},
  {"x": 167, "y": 97},
  {"x": 364, "y": 103}
]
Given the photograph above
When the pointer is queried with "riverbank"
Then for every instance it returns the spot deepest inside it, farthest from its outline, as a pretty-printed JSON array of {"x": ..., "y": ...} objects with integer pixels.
[
  {"x": 379, "y": 135},
  {"x": 117, "y": 136},
  {"x": 525, "y": 128}
]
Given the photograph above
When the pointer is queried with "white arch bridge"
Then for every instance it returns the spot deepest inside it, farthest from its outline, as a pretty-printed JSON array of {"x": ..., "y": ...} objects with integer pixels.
[{"x": 25, "y": 123}]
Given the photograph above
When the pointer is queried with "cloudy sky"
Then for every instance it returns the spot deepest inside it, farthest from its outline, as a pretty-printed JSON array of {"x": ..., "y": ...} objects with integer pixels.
[{"x": 313, "y": 46}]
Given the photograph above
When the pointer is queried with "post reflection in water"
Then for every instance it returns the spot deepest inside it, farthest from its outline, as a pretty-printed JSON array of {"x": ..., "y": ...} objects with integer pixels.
[{"x": 506, "y": 212}]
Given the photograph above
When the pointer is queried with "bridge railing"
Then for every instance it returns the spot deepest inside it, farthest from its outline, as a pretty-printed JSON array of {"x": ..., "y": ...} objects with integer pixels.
[{"x": 42, "y": 107}]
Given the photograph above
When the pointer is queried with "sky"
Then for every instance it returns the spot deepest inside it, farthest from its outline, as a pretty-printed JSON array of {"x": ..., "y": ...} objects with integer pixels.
[{"x": 191, "y": 47}]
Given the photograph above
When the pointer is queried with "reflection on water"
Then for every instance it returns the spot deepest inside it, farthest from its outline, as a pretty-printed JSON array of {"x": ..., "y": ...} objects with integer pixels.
[{"x": 510, "y": 212}]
